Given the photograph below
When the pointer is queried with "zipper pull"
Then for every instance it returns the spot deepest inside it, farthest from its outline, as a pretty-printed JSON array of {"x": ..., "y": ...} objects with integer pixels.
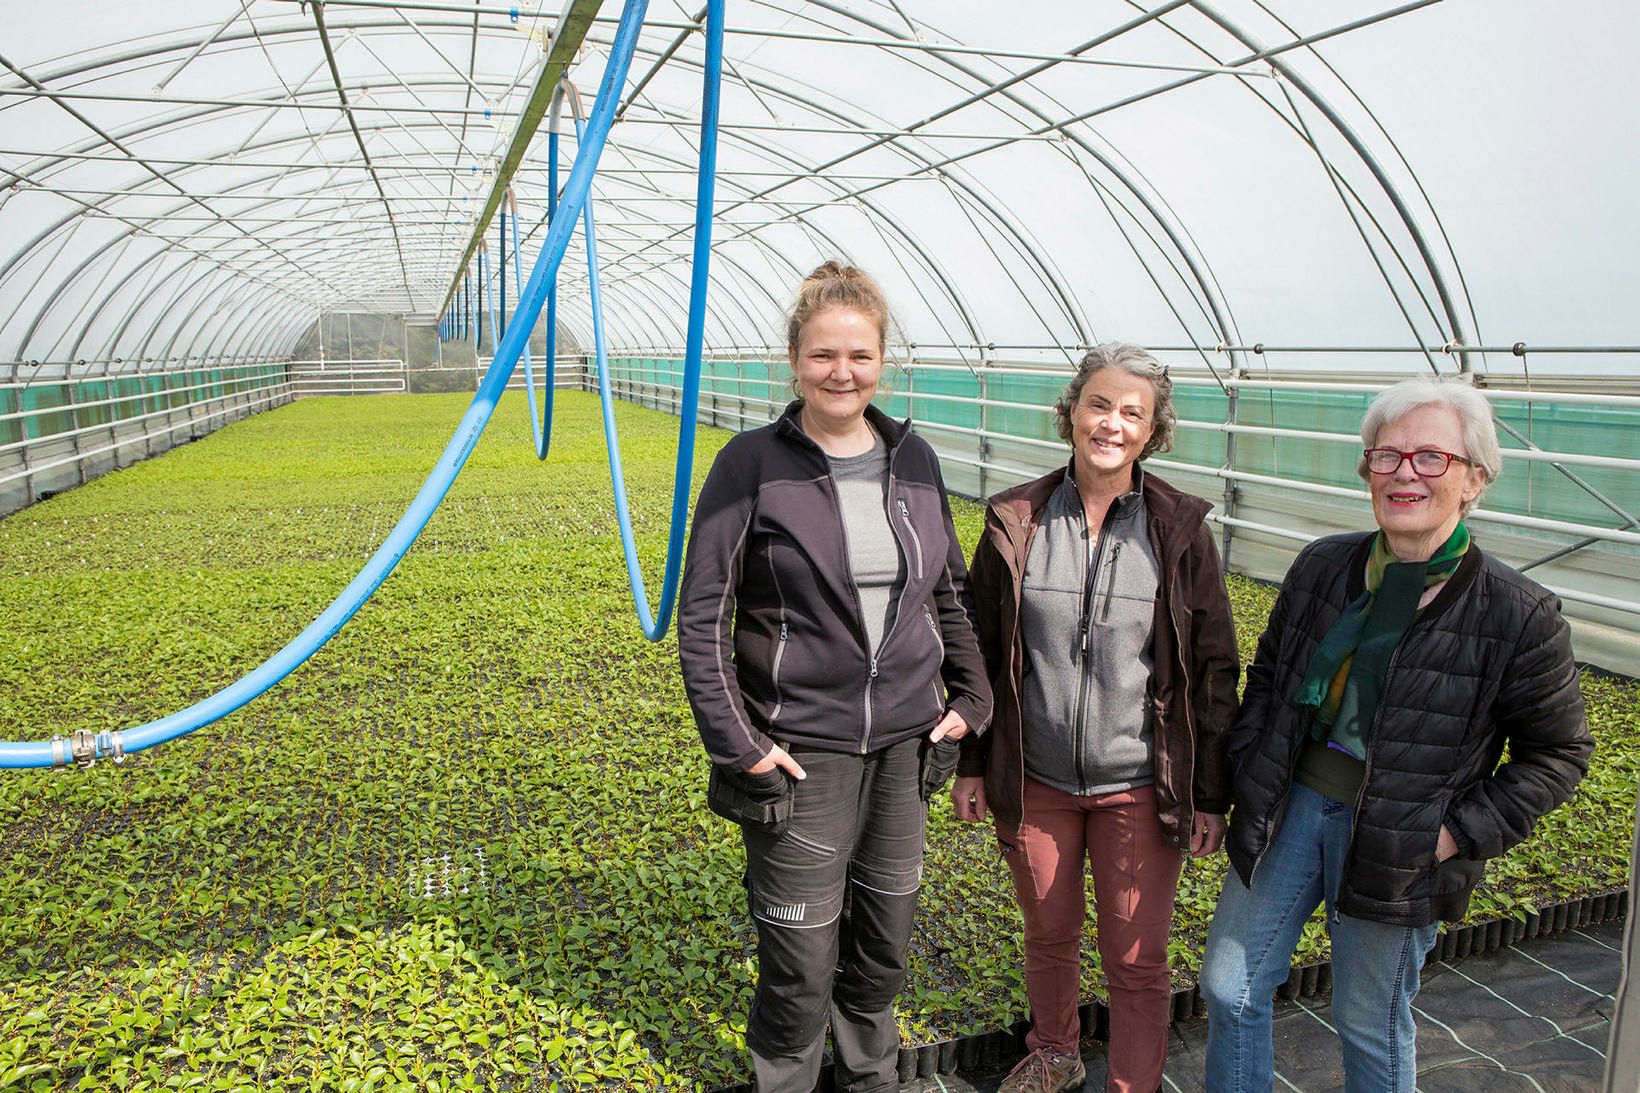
[
  {"x": 782, "y": 631},
  {"x": 904, "y": 512},
  {"x": 1110, "y": 582},
  {"x": 873, "y": 667}
]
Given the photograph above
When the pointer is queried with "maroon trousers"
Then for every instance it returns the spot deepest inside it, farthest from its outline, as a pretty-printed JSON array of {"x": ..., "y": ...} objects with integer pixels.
[{"x": 1135, "y": 877}]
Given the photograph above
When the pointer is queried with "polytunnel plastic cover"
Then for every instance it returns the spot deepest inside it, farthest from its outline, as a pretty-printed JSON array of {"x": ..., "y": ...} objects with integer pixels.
[{"x": 202, "y": 179}]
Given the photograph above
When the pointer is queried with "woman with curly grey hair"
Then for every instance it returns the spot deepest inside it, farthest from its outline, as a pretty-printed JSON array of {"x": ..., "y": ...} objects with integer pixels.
[
  {"x": 1103, "y": 618},
  {"x": 1395, "y": 668}
]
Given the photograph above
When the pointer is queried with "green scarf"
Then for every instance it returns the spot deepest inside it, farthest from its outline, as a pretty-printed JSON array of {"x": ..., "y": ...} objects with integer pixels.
[{"x": 1345, "y": 677}]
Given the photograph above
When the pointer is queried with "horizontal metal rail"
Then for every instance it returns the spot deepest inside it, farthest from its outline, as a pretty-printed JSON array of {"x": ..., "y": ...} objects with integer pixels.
[
  {"x": 34, "y": 470},
  {"x": 110, "y": 377},
  {"x": 84, "y": 430},
  {"x": 71, "y": 407},
  {"x": 648, "y": 380}
]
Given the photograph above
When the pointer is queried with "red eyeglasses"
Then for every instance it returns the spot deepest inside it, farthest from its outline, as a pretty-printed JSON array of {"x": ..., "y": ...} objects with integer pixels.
[{"x": 1426, "y": 463}]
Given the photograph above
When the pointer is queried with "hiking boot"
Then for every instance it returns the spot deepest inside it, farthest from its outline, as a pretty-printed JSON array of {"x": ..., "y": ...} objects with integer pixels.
[{"x": 1043, "y": 1071}]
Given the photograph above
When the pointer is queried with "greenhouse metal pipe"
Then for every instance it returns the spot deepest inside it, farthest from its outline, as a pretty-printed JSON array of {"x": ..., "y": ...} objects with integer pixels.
[
  {"x": 667, "y": 272},
  {"x": 86, "y": 746},
  {"x": 245, "y": 289},
  {"x": 222, "y": 312},
  {"x": 364, "y": 152},
  {"x": 294, "y": 166},
  {"x": 282, "y": 324},
  {"x": 1455, "y": 320},
  {"x": 42, "y": 411},
  {"x": 1527, "y": 455},
  {"x": 569, "y": 32},
  {"x": 1157, "y": 208},
  {"x": 969, "y": 320},
  {"x": 767, "y": 250},
  {"x": 279, "y": 142},
  {"x": 1496, "y": 394},
  {"x": 139, "y": 300},
  {"x": 81, "y": 454},
  {"x": 1530, "y": 523},
  {"x": 1589, "y": 531},
  {"x": 85, "y": 206},
  {"x": 34, "y": 469},
  {"x": 1193, "y": 260},
  {"x": 934, "y": 268},
  {"x": 166, "y": 311}
]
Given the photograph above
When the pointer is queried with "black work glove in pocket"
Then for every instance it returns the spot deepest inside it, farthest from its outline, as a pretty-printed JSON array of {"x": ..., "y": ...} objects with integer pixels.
[
  {"x": 758, "y": 800},
  {"x": 939, "y": 762}
]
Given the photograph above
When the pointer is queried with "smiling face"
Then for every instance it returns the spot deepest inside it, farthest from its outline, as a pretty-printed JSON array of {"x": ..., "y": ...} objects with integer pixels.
[
  {"x": 1114, "y": 417},
  {"x": 838, "y": 363},
  {"x": 1417, "y": 513}
]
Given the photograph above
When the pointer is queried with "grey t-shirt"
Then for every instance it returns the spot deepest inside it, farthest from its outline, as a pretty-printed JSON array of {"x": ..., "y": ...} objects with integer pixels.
[
  {"x": 1086, "y": 705},
  {"x": 873, "y": 552}
]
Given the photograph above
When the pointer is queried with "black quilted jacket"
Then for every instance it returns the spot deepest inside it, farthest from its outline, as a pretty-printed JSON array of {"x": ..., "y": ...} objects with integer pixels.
[{"x": 1487, "y": 663}]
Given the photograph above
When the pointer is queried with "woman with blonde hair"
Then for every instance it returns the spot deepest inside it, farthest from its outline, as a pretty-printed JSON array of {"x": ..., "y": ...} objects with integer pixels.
[{"x": 831, "y": 667}]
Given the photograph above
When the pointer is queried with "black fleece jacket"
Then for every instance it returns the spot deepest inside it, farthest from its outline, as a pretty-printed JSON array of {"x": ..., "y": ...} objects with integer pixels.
[
  {"x": 769, "y": 627},
  {"x": 1487, "y": 663}
]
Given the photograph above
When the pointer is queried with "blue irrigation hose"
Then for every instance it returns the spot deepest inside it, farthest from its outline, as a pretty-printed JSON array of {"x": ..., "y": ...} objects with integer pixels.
[
  {"x": 478, "y": 316},
  {"x": 541, "y": 421},
  {"x": 683, "y": 473},
  {"x": 107, "y": 744}
]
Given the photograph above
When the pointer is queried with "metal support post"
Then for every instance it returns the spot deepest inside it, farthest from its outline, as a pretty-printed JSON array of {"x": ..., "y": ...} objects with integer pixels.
[{"x": 1232, "y": 411}]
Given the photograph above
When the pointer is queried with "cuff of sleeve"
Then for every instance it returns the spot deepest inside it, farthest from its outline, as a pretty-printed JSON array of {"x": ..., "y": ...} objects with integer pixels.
[
  {"x": 743, "y": 763},
  {"x": 1213, "y": 806},
  {"x": 1466, "y": 845},
  {"x": 977, "y": 716}
]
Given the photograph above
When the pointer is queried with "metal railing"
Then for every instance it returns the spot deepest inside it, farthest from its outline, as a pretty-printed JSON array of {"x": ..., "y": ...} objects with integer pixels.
[
  {"x": 1264, "y": 517},
  {"x": 59, "y": 431},
  {"x": 365, "y": 377}
]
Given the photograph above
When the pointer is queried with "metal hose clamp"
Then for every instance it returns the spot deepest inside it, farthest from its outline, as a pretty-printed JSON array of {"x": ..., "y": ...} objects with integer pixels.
[
  {"x": 59, "y": 754},
  {"x": 84, "y": 746},
  {"x": 116, "y": 745}
]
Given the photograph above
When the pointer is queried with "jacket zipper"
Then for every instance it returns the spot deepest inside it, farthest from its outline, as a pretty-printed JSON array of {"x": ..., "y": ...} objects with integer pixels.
[
  {"x": 1079, "y": 730},
  {"x": 854, "y": 593},
  {"x": 779, "y": 654},
  {"x": 865, "y": 740},
  {"x": 1110, "y": 583},
  {"x": 780, "y": 648},
  {"x": 1360, "y": 794},
  {"x": 916, "y": 540},
  {"x": 1366, "y": 773},
  {"x": 1187, "y": 706},
  {"x": 939, "y": 643}
]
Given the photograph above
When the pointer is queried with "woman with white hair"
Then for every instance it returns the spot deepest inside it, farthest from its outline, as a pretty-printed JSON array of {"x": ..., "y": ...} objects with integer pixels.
[{"x": 1394, "y": 669}]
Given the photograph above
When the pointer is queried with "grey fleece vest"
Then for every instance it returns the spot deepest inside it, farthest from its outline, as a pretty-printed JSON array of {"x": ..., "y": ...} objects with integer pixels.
[{"x": 1086, "y": 623}]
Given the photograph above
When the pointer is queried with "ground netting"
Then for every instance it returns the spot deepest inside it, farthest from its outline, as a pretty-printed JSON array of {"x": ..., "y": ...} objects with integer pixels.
[{"x": 466, "y": 845}]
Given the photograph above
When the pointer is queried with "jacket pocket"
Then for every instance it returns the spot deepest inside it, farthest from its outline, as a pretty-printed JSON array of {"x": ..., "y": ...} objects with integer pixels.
[
  {"x": 754, "y": 800},
  {"x": 774, "y": 674},
  {"x": 939, "y": 762}
]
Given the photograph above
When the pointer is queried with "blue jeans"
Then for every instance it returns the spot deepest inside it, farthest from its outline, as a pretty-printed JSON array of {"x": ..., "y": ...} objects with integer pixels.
[{"x": 1250, "y": 949}]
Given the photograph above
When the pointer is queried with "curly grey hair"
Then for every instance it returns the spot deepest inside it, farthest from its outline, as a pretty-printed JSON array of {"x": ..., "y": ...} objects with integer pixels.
[{"x": 1136, "y": 362}]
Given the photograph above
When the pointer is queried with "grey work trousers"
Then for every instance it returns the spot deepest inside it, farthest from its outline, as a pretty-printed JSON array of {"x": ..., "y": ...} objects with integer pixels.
[{"x": 832, "y": 898}]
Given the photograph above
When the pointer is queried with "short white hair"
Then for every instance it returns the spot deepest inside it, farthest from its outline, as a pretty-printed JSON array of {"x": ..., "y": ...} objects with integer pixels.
[{"x": 1480, "y": 435}]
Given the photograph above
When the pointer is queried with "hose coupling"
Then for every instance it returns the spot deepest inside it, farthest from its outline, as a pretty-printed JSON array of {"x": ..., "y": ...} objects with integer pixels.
[{"x": 84, "y": 746}]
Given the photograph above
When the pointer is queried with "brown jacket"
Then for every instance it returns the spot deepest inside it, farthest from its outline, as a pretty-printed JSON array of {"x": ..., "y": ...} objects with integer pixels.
[{"x": 1193, "y": 685}]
